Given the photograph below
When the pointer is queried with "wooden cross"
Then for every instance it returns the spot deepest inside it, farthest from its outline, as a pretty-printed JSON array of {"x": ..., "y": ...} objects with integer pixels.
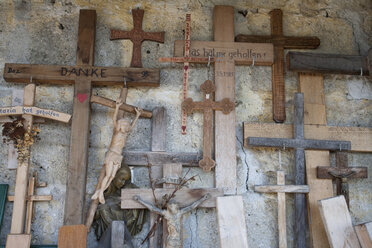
[
  {"x": 281, "y": 189},
  {"x": 137, "y": 36},
  {"x": 330, "y": 63},
  {"x": 14, "y": 239},
  {"x": 299, "y": 143},
  {"x": 341, "y": 173},
  {"x": 207, "y": 106},
  {"x": 228, "y": 53},
  {"x": 83, "y": 76},
  {"x": 280, "y": 42}
]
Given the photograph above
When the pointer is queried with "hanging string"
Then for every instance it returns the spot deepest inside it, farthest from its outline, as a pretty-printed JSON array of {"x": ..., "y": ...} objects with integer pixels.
[{"x": 208, "y": 66}]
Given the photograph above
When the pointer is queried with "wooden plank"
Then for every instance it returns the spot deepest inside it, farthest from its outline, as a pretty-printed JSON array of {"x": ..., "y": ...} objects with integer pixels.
[
  {"x": 360, "y": 138},
  {"x": 241, "y": 53},
  {"x": 18, "y": 241},
  {"x": 3, "y": 194},
  {"x": 282, "y": 220},
  {"x": 139, "y": 158},
  {"x": 30, "y": 205},
  {"x": 364, "y": 236},
  {"x": 184, "y": 196},
  {"x": 224, "y": 75},
  {"x": 125, "y": 107},
  {"x": 327, "y": 63},
  {"x": 98, "y": 75},
  {"x": 78, "y": 160},
  {"x": 281, "y": 188},
  {"x": 35, "y": 111},
  {"x": 34, "y": 198},
  {"x": 289, "y": 42},
  {"x": 337, "y": 222},
  {"x": 74, "y": 236},
  {"x": 359, "y": 172},
  {"x": 231, "y": 222},
  {"x": 159, "y": 128}
]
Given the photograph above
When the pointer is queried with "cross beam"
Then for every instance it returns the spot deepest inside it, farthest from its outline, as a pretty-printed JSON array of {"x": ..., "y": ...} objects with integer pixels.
[
  {"x": 281, "y": 189},
  {"x": 137, "y": 36},
  {"x": 341, "y": 173},
  {"x": 207, "y": 106},
  {"x": 280, "y": 42},
  {"x": 300, "y": 206}
]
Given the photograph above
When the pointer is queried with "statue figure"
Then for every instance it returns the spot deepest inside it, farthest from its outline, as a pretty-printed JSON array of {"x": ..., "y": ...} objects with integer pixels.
[
  {"x": 173, "y": 214},
  {"x": 114, "y": 156},
  {"x": 111, "y": 210}
]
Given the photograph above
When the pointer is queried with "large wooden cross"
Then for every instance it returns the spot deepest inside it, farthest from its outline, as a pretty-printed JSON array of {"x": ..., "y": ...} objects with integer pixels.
[
  {"x": 281, "y": 189},
  {"x": 280, "y": 42},
  {"x": 82, "y": 76},
  {"x": 137, "y": 36},
  {"x": 299, "y": 143},
  {"x": 227, "y": 53},
  {"x": 207, "y": 106},
  {"x": 341, "y": 173}
]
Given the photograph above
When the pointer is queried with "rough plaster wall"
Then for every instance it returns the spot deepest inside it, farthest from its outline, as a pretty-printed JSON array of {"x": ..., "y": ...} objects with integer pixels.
[{"x": 44, "y": 32}]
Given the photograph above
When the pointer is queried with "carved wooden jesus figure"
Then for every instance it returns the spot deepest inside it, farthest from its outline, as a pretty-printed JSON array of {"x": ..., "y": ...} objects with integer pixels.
[
  {"x": 173, "y": 214},
  {"x": 114, "y": 156}
]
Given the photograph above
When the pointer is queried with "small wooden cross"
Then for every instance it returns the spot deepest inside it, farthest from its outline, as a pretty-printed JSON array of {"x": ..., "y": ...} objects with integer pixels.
[
  {"x": 341, "y": 173},
  {"x": 207, "y": 106},
  {"x": 280, "y": 42},
  {"x": 299, "y": 143},
  {"x": 281, "y": 189},
  {"x": 137, "y": 36}
]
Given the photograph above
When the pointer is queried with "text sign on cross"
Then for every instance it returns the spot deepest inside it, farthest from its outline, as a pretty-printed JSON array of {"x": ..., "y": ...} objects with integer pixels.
[
  {"x": 137, "y": 36},
  {"x": 341, "y": 173},
  {"x": 207, "y": 106},
  {"x": 299, "y": 143},
  {"x": 280, "y": 42}
]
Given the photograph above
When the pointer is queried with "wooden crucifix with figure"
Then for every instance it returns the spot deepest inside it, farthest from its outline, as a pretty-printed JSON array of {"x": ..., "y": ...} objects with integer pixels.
[
  {"x": 207, "y": 106},
  {"x": 137, "y": 36},
  {"x": 280, "y": 43},
  {"x": 83, "y": 76},
  {"x": 341, "y": 173}
]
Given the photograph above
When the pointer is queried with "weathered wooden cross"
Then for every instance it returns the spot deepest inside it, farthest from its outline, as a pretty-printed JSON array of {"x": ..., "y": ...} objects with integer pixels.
[
  {"x": 341, "y": 173},
  {"x": 207, "y": 106},
  {"x": 299, "y": 143},
  {"x": 83, "y": 76},
  {"x": 228, "y": 53},
  {"x": 137, "y": 36},
  {"x": 281, "y": 189},
  {"x": 280, "y": 42}
]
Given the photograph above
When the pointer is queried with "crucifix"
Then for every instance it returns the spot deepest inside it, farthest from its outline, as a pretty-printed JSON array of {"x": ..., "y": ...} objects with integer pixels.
[
  {"x": 341, "y": 173},
  {"x": 299, "y": 143},
  {"x": 228, "y": 53},
  {"x": 83, "y": 76},
  {"x": 207, "y": 106},
  {"x": 281, "y": 189},
  {"x": 280, "y": 43},
  {"x": 137, "y": 36}
]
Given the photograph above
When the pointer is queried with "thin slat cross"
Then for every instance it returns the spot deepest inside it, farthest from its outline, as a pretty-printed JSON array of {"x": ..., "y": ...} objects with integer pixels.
[
  {"x": 280, "y": 42},
  {"x": 281, "y": 189},
  {"x": 341, "y": 173},
  {"x": 207, "y": 106},
  {"x": 137, "y": 36},
  {"x": 299, "y": 143}
]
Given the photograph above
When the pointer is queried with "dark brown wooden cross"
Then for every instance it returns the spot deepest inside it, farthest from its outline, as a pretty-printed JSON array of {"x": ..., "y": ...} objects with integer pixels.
[
  {"x": 83, "y": 76},
  {"x": 299, "y": 143},
  {"x": 330, "y": 63},
  {"x": 137, "y": 36},
  {"x": 207, "y": 106},
  {"x": 341, "y": 173},
  {"x": 280, "y": 43}
]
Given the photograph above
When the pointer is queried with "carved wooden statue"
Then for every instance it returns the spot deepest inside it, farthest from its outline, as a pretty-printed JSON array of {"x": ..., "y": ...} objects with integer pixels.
[
  {"x": 114, "y": 156},
  {"x": 173, "y": 214}
]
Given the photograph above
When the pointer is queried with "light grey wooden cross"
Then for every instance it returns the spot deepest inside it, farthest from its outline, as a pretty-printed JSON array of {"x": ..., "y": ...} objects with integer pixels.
[{"x": 299, "y": 143}]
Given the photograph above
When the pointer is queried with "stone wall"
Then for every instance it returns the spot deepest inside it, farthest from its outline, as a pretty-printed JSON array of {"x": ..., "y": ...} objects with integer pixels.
[{"x": 45, "y": 32}]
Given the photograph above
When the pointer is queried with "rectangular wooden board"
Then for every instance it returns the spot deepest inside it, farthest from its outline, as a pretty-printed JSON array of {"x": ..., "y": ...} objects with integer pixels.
[
  {"x": 184, "y": 196},
  {"x": 241, "y": 53},
  {"x": 364, "y": 233},
  {"x": 35, "y": 111},
  {"x": 231, "y": 222},
  {"x": 18, "y": 241},
  {"x": 337, "y": 222},
  {"x": 72, "y": 236}
]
